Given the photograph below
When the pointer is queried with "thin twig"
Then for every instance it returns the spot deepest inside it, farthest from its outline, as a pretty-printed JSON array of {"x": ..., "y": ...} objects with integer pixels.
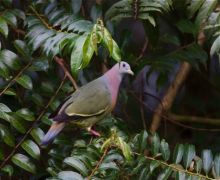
[
  {"x": 33, "y": 124},
  {"x": 98, "y": 164},
  {"x": 175, "y": 167},
  {"x": 61, "y": 62},
  {"x": 13, "y": 80},
  {"x": 142, "y": 50}
]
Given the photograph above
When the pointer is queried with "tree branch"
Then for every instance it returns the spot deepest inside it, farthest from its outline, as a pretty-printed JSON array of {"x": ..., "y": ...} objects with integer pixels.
[
  {"x": 194, "y": 119},
  {"x": 62, "y": 64}
]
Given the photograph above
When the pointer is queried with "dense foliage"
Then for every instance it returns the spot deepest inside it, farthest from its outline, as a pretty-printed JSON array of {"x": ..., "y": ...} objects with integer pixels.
[{"x": 89, "y": 36}]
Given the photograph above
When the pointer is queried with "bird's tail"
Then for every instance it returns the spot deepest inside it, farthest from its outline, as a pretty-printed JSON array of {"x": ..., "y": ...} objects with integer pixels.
[{"x": 55, "y": 128}]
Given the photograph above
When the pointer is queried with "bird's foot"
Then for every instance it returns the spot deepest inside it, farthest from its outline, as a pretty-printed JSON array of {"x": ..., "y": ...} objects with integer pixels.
[{"x": 93, "y": 132}]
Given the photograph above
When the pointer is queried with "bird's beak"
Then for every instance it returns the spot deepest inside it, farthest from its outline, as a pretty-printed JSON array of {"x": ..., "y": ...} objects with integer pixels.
[{"x": 130, "y": 72}]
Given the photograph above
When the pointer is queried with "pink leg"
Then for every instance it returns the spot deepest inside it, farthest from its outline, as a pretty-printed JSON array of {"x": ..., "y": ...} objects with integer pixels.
[{"x": 93, "y": 132}]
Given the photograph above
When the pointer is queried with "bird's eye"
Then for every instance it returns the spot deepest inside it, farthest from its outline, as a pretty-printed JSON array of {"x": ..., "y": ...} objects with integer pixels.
[{"x": 123, "y": 65}]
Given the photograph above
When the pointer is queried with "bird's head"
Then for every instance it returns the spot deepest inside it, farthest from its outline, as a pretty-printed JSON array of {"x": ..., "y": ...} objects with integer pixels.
[{"x": 124, "y": 68}]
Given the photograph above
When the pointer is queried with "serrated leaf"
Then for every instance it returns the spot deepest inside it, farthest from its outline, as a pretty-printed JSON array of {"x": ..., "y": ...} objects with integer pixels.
[
  {"x": 7, "y": 136},
  {"x": 25, "y": 114},
  {"x": 164, "y": 149},
  {"x": 178, "y": 153},
  {"x": 207, "y": 159},
  {"x": 188, "y": 155},
  {"x": 165, "y": 174},
  {"x": 25, "y": 81},
  {"x": 3, "y": 27},
  {"x": 31, "y": 148},
  {"x": 37, "y": 134},
  {"x": 77, "y": 54},
  {"x": 76, "y": 164},
  {"x": 217, "y": 165},
  {"x": 69, "y": 175},
  {"x": 155, "y": 144},
  {"x": 10, "y": 59},
  {"x": 24, "y": 162}
]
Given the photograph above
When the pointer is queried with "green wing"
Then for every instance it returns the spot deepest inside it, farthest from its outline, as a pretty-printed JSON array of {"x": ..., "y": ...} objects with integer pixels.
[{"x": 90, "y": 100}]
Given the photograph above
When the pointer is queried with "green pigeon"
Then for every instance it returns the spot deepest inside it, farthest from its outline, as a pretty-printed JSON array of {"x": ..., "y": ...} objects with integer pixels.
[{"x": 90, "y": 103}]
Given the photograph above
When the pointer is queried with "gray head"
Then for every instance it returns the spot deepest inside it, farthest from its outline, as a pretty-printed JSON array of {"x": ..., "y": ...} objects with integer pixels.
[{"x": 123, "y": 68}]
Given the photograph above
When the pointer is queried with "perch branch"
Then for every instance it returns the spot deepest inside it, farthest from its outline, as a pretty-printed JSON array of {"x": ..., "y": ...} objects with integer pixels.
[
  {"x": 62, "y": 64},
  {"x": 33, "y": 125},
  {"x": 194, "y": 119}
]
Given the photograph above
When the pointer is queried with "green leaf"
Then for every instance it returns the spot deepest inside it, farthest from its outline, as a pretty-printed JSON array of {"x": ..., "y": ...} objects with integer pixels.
[
  {"x": 18, "y": 124},
  {"x": 22, "y": 48},
  {"x": 37, "y": 134},
  {"x": 24, "y": 162},
  {"x": 76, "y": 5},
  {"x": 116, "y": 53},
  {"x": 165, "y": 174},
  {"x": 154, "y": 165},
  {"x": 178, "y": 153},
  {"x": 217, "y": 165},
  {"x": 10, "y": 18},
  {"x": 3, "y": 27},
  {"x": 180, "y": 175},
  {"x": 193, "y": 7},
  {"x": 108, "y": 41},
  {"x": 204, "y": 12},
  {"x": 31, "y": 148},
  {"x": 143, "y": 174},
  {"x": 4, "y": 108},
  {"x": 25, "y": 81},
  {"x": 77, "y": 54},
  {"x": 77, "y": 164},
  {"x": 207, "y": 159},
  {"x": 10, "y": 59},
  {"x": 155, "y": 144},
  {"x": 7, "y": 136},
  {"x": 39, "y": 65},
  {"x": 107, "y": 166},
  {"x": 88, "y": 51},
  {"x": 186, "y": 26},
  {"x": 96, "y": 12},
  {"x": 4, "y": 72},
  {"x": 125, "y": 148},
  {"x": 25, "y": 114},
  {"x": 8, "y": 169},
  {"x": 188, "y": 155},
  {"x": 10, "y": 92},
  {"x": 198, "y": 164},
  {"x": 215, "y": 48},
  {"x": 69, "y": 175},
  {"x": 164, "y": 148}
]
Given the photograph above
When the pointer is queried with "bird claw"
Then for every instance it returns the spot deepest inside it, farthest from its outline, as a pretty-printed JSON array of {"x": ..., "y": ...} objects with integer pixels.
[{"x": 93, "y": 132}]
